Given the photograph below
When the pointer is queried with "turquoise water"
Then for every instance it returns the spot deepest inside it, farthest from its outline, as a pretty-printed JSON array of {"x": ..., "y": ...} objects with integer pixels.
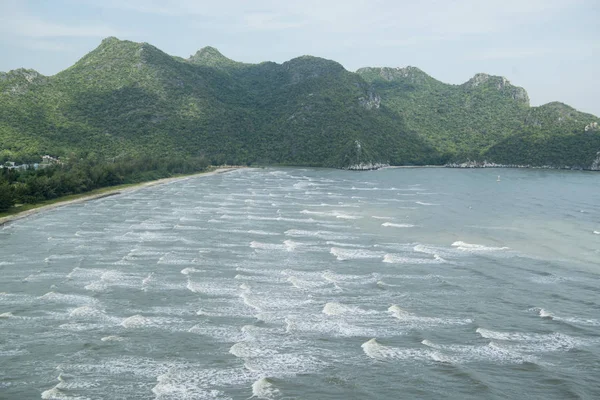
[{"x": 310, "y": 284}]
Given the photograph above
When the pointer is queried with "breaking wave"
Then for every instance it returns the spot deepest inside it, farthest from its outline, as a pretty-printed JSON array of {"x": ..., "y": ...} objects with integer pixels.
[
  {"x": 352, "y": 254},
  {"x": 393, "y": 225},
  {"x": 473, "y": 248}
]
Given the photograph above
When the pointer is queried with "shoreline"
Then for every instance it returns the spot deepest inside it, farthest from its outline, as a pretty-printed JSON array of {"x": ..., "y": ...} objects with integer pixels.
[{"x": 116, "y": 191}]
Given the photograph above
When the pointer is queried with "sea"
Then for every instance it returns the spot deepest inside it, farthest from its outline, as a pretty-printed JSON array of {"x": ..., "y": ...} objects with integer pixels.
[{"x": 287, "y": 283}]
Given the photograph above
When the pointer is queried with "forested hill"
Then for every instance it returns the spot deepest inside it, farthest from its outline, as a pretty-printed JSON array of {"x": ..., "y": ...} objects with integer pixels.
[{"x": 128, "y": 100}]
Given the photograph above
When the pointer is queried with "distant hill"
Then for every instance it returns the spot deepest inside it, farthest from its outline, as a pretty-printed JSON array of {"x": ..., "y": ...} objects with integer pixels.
[
  {"x": 487, "y": 118},
  {"x": 131, "y": 99}
]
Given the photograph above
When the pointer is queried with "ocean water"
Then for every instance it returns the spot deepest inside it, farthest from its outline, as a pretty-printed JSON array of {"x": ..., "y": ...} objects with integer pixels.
[{"x": 310, "y": 284}]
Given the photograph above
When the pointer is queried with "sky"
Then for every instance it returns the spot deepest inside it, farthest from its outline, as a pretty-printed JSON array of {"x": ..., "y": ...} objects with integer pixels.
[{"x": 549, "y": 47}]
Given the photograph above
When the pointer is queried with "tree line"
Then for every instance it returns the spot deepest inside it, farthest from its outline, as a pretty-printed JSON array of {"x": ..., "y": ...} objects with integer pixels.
[{"x": 32, "y": 186}]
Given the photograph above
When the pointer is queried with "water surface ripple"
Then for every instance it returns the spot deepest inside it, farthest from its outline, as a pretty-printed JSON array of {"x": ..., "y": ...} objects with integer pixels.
[{"x": 310, "y": 284}]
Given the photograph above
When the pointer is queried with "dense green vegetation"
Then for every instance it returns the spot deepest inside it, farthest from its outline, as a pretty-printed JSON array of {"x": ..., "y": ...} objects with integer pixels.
[
  {"x": 32, "y": 186},
  {"x": 131, "y": 98},
  {"x": 486, "y": 118},
  {"x": 127, "y": 100}
]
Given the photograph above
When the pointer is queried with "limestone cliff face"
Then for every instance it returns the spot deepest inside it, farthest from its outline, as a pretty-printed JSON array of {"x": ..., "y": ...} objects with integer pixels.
[
  {"x": 501, "y": 84},
  {"x": 596, "y": 163},
  {"x": 371, "y": 100},
  {"x": 20, "y": 80}
]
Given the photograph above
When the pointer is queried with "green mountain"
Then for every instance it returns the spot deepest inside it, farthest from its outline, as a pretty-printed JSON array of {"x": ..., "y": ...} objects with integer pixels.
[
  {"x": 487, "y": 118},
  {"x": 127, "y": 99}
]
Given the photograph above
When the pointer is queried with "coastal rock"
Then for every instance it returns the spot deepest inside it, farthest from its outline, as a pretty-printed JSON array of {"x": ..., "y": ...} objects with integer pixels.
[
  {"x": 483, "y": 164},
  {"x": 366, "y": 166},
  {"x": 596, "y": 163},
  {"x": 486, "y": 164}
]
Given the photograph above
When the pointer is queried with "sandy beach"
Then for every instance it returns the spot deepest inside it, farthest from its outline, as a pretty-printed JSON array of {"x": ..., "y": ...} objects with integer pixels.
[{"x": 27, "y": 213}]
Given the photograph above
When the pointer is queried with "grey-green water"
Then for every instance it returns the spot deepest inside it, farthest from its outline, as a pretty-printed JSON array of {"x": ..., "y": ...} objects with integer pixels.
[{"x": 310, "y": 284}]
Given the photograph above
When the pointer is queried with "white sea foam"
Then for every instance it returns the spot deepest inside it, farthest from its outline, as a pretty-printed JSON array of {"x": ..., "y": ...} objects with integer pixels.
[
  {"x": 215, "y": 286},
  {"x": 55, "y": 393},
  {"x": 284, "y": 219},
  {"x": 596, "y": 232},
  {"x": 190, "y": 227},
  {"x": 97, "y": 286},
  {"x": 249, "y": 349},
  {"x": 398, "y": 312},
  {"x": 112, "y": 338},
  {"x": 426, "y": 204},
  {"x": 284, "y": 364},
  {"x": 197, "y": 383},
  {"x": 474, "y": 248},
  {"x": 305, "y": 284},
  {"x": 190, "y": 270},
  {"x": 257, "y": 333},
  {"x": 221, "y": 333},
  {"x": 67, "y": 298},
  {"x": 531, "y": 343},
  {"x": 87, "y": 313},
  {"x": 334, "y": 308},
  {"x": 81, "y": 272},
  {"x": 89, "y": 233},
  {"x": 354, "y": 254},
  {"x": 147, "y": 280},
  {"x": 393, "y": 225},
  {"x": 495, "y": 335},
  {"x": 334, "y": 213},
  {"x": 291, "y": 245},
  {"x": 136, "y": 321},
  {"x": 457, "y": 354},
  {"x": 421, "y": 322},
  {"x": 259, "y": 278},
  {"x": 174, "y": 258},
  {"x": 579, "y": 321},
  {"x": 377, "y": 351},
  {"x": 398, "y": 259},
  {"x": 549, "y": 279},
  {"x": 7, "y": 315},
  {"x": 570, "y": 320},
  {"x": 249, "y": 301},
  {"x": 262, "y": 233},
  {"x": 264, "y": 389},
  {"x": 267, "y": 246},
  {"x": 326, "y": 235},
  {"x": 58, "y": 257},
  {"x": 348, "y": 279},
  {"x": 340, "y": 244}
]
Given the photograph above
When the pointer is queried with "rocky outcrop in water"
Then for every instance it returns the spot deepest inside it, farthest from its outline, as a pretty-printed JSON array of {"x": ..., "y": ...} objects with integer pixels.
[
  {"x": 366, "y": 166},
  {"x": 486, "y": 164},
  {"x": 596, "y": 164}
]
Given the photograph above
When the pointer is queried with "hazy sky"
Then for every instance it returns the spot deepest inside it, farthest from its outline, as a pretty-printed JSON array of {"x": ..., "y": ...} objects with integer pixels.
[{"x": 550, "y": 47}]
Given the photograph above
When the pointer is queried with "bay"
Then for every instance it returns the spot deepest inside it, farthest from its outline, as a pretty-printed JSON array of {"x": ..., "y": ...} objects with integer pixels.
[{"x": 310, "y": 284}]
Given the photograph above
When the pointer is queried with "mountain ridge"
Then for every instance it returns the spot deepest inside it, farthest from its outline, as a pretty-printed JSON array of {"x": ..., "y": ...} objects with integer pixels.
[{"x": 132, "y": 97}]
